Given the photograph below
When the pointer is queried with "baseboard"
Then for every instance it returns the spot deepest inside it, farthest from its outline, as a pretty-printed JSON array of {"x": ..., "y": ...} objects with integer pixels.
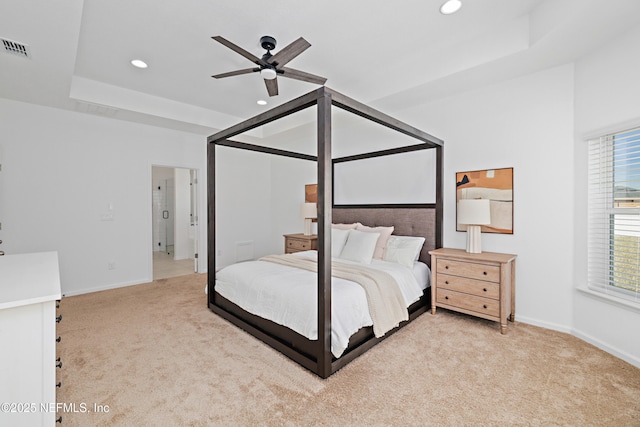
[
  {"x": 635, "y": 361},
  {"x": 546, "y": 325},
  {"x": 106, "y": 287},
  {"x": 629, "y": 358}
]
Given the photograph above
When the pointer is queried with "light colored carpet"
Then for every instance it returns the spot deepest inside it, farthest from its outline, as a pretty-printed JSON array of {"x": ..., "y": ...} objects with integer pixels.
[{"x": 154, "y": 354}]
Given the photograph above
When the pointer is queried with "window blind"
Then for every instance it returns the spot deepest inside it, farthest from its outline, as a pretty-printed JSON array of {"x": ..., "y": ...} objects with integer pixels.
[{"x": 614, "y": 215}]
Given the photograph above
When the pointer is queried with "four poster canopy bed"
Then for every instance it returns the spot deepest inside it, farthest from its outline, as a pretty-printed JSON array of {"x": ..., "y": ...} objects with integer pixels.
[{"x": 386, "y": 275}]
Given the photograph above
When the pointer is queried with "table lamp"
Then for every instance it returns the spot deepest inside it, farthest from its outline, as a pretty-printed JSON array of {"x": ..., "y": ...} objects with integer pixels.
[
  {"x": 474, "y": 213},
  {"x": 308, "y": 211}
]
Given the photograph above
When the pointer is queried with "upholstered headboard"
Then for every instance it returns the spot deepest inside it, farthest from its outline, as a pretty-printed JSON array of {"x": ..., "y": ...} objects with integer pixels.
[{"x": 408, "y": 221}]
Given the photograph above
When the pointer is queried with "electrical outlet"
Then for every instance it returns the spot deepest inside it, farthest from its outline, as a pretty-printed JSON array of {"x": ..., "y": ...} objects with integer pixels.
[{"x": 111, "y": 265}]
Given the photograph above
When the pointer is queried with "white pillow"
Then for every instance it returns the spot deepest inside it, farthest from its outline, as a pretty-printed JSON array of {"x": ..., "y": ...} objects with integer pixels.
[
  {"x": 381, "y": 245},
  {"x": 345, "y": 226},
  {"x": 338, "y": 240},
  {"x": 360, "y": 246},
  {"x": 403, "y": 250}
]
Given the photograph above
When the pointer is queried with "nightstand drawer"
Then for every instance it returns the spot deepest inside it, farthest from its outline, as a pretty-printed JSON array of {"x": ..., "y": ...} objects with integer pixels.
[
  {"x": 300, "y": 242},
  {"x": 299, "y": 245},
  {"x": 489, "y": 307},
  {"x": 471, "y": 270},
  {"x": 469, "y": 286}
]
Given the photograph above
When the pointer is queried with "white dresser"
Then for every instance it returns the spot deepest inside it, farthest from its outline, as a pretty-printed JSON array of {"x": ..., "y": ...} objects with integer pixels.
[{"x": 29, "y": 288}]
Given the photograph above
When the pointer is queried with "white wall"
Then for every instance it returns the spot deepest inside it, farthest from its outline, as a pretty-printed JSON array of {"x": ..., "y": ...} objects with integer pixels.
[
  {"x": 527, "y": 124},
  {"x": 288, "y": 178},
  {"x": 62, "y": 171},
  {"x": 607, "y": 99},
  {"x": 243, "y": 203}
]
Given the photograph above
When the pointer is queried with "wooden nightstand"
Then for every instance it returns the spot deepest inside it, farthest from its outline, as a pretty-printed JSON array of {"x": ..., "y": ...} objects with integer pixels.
[
  {"x": 299, "y": 242},
  {"x": 481, "y": 285}
]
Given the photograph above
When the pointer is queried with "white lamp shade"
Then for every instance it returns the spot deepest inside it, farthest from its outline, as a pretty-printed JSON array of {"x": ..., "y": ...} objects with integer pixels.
[
  {"x": 474, "y": 211},
  {"x": 308, "y": 210}
]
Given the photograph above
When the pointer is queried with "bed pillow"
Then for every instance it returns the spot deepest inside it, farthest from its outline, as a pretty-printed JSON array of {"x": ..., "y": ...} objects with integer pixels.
[
  {"x": 338, "y": 240},
  {"x": 403, "y": 250},
  {"x": 384, "y": 232},
  {"x": 345, "y": 226},
  {"x": 360, "y": 246}
]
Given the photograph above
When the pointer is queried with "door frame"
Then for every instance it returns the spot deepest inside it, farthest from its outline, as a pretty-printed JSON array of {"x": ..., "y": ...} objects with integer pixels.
[{"x": 199, "y": 265}]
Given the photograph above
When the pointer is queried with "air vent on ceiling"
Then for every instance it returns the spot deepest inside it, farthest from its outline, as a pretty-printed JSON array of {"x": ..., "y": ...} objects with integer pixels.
[
  {"x": 16, "y": 48},
  {"x": 101, "y": 110}
]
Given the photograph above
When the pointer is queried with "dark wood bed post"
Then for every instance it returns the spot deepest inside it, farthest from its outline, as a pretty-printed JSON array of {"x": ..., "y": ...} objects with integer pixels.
[
  {"x": 439, "y": 195},
  {"x": 211, "y": 219},
  {"x": 325, "y": 197}
]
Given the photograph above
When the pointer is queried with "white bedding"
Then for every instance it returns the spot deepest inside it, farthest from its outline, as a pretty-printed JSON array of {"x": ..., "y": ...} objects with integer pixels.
[{"x": 287, "y": 295}]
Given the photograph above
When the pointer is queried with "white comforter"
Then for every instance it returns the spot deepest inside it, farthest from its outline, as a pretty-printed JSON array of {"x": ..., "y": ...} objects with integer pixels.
[{"x": 287, "y": 296}]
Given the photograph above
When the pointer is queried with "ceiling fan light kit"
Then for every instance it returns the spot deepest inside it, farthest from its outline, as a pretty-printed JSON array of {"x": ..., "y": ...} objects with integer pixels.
[
  {"x": 268, "y": 73},
  {"x": 270, "y": 66}
]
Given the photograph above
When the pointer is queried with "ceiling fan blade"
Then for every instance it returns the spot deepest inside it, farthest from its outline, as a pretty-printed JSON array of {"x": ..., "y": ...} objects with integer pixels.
[
  {"x": 251, "y": 57},
  {"x": 289, "y": 52},
  {"x": 301, "y": 75},
  {"x": 236, "y": 73},
  {"x": 272, "y": 86}
]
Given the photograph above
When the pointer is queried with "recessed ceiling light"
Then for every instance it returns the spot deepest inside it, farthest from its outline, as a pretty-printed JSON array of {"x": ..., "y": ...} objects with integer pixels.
[
  {"x": 450, "y": 6},
  {"x": 139, "y": 63},
  {"x": 261, "y": 102}
]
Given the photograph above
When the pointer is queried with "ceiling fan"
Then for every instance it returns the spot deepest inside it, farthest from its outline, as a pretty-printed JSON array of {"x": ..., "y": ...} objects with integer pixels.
[{"x": 270, "y": 66}]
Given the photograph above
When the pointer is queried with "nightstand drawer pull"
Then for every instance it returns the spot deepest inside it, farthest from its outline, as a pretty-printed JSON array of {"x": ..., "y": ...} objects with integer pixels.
[
  {"x": 446, "y": 297},
  {"x": 484, "y": 272},
  {"x": 59, "y": 384},
  {"x": 59, "y": 318},
  {"x": 484, "y": 289},
  {"x": 484, "y": 306},
  {"x": 58, "y": 339}
]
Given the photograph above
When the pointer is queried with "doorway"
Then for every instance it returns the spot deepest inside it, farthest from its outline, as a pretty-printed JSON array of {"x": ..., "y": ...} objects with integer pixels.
[{"x": 175, "y": 221}]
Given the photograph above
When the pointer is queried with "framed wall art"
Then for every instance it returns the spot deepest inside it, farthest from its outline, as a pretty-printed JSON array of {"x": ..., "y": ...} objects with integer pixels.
[{"x": 495, "y": 185}]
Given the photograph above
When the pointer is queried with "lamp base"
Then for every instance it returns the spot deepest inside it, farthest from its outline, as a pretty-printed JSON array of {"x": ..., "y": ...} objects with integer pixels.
[
  {"x": 307, "y": 226},
  {"x": 473, "y": 239}
]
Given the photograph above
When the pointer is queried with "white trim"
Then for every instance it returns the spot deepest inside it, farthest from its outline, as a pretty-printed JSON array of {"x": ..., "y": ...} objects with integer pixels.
[
  {"x": 611, "y": 129},
  {"x": 543, "y": 324},
  {"x": 106, "y": 287},
  {"x": 610, "y": 299},
  {"x": 584, "y": 337},
  {"x": 635, "y": 361}
]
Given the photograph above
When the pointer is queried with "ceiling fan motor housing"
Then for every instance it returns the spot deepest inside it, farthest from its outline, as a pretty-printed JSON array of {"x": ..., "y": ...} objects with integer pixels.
[{"x": 268, "y": 42}]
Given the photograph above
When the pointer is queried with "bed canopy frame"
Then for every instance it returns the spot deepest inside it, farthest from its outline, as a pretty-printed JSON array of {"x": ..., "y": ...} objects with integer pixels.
[{"x": 316, "y": 355}]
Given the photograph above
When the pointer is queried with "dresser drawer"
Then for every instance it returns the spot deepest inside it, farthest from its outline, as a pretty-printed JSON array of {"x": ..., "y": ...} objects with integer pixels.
[
  {"x": 489, "y": 307},
  {"x": 469, "y": 286},
  {"x": 471, "y": 270}
]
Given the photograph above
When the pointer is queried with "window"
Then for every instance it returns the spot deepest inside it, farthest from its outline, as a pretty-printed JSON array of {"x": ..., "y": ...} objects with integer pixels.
[{"x": 614, "y": 215}]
